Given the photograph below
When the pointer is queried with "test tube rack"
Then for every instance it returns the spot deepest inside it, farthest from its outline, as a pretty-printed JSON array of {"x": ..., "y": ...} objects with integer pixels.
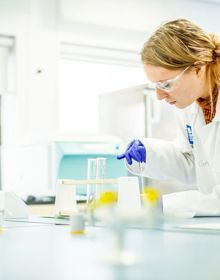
[{"x": 65, "y": 203}]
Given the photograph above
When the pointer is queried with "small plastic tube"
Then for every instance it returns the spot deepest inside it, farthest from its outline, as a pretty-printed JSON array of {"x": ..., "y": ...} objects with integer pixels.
[{"x": 77, "y": 224}]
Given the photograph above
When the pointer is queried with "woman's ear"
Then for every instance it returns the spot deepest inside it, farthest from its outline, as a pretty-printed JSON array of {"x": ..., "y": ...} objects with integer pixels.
[{"x": 199, "y": 67}]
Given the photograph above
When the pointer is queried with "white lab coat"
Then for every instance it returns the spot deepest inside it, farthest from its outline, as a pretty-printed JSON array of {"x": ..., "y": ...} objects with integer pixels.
[{"x": 198, "y": 165}]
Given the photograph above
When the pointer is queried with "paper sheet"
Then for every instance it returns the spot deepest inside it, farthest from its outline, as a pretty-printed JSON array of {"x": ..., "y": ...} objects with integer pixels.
[{"x": 191, "y": 204}]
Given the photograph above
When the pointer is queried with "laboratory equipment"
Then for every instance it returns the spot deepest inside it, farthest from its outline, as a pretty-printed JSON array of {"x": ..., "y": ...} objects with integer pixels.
[
  {"x": 96, "y": 169},
  {"x": 71, "y": 161},
  {"x": 91, "y": 174},
  {"x": 12, "y": 205},
  {"x": 129, "y": 200},
  {"x": 64, "y": 157},
  {"x": 100, "y": 174},
  {"x": 65, "y": 201},
  {"x": 77, "y": 224}
]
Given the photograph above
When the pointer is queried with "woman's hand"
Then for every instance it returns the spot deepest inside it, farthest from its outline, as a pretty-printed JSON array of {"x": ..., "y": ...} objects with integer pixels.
[{"x": 135, "y": 151}]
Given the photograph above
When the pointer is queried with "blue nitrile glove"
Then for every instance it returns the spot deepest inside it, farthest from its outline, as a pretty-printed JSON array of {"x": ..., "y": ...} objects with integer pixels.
[{"x": 136, "y": 151}]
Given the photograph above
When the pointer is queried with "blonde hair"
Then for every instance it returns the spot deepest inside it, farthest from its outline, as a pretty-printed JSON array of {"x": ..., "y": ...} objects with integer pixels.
[{"x": 180, "y": 43}]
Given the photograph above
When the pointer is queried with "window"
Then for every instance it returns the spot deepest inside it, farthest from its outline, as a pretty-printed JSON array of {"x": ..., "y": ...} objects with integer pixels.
[
  {"x": 81, "y": 82},
  {"x": 7, "y": 65}
]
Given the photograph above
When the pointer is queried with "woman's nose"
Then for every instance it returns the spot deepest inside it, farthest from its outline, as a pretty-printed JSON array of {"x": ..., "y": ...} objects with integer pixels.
[{"x": 161, "y": 94}]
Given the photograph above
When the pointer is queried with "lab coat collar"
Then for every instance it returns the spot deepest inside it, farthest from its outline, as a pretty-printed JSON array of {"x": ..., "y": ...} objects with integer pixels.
[
  {"x": 206, "y": 129},
  {"x": 217, "y": 114},
  {"x": 194, "y": 109}
]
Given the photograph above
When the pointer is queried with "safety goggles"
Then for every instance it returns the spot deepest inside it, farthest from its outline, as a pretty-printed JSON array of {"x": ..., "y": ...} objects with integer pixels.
[{"x": 168, "y": 84}]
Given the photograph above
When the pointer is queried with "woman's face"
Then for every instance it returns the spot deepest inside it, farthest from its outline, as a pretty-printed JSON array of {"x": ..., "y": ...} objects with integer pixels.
[{"x": 185, "y": 89}]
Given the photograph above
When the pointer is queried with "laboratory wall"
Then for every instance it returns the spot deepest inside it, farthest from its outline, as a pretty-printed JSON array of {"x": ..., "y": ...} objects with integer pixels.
[
  {"x": 30, "y": 114},
  {"x": 33, "y": 25},
  {"x": 40, "y": 26}
]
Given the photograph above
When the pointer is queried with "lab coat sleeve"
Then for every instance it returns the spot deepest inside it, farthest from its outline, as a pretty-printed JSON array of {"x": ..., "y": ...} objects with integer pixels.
[
  {"x": 166, "y": 161},
  {"x": 169, "y": 159}
]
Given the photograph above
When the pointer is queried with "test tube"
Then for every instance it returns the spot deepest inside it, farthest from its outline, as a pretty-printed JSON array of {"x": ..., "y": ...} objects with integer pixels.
[
  {"x": 100, "y": 174},
  {"x": 91, "y": 174}
]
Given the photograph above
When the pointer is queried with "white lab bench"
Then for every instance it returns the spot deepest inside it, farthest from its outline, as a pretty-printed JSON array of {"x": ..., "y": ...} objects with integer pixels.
[{"x": 39, "y": 250}]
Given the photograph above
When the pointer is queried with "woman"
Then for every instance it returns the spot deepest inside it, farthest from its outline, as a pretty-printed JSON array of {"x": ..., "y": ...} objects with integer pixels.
[{"x": 183, "y": 62}]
